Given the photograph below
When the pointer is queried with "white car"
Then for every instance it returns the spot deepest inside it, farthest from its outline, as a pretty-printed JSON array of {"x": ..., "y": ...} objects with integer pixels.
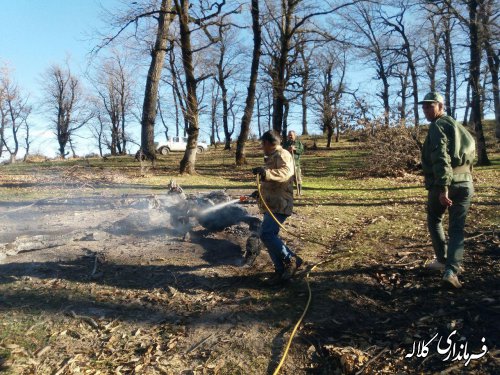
[{"x": 177, "y": 144}]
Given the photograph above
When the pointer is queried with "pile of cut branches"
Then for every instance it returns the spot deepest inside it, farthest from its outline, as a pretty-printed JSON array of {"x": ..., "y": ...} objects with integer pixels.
[{"x": 391, "y": 152}]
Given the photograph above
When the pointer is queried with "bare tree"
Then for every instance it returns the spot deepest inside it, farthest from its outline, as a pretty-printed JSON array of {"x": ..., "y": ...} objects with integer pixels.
[
  {"x": 177, "y": 84},
  {"x": 113, "y": 85},
  {"x": 449, "y": 62},
  {"x": 149, "y": 110},
  {"x": 371, "y": 38},
  {"x": 27, "y": 140},
  {"x": 163, "y": 17},
  {"x": 3, "y": 112},
  {"x": 286, "y": 20},
  {"x": 471, "y": 18},
  {"x": 305, "y": 73},
  {"x": 475, "y": 78},
  {"x": 186, "y": 17},
  {"x": 491, "y": 37},
  {"x": 407, "y": 50},
  {"x": 432, "y": 48},
  {"x": 250, "y": 99},
  {"x": 225, "y": 71},
  {"x": 442, "y": 24},
  {"x": 259, "y": 114},
  {"x": 14, "y": 112},
  {"x": 97, "y": 128},
  {"x": 188, "y": 161},
  {"x": 65, "y": 100},
  {"x": 162, "y": 118},
  {"x": 402, "y": 73},
  {"x": 329, "y": 93},
  {"x": 215, "y": 101}
]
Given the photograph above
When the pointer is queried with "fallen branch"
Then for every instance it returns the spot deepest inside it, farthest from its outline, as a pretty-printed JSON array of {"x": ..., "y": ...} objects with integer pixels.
[
  {"x": 371, "y": 361},
  {"x": 476, "y": 236},
  {"x": 65, "y": 364},
  {"x": 194, "y": 347}
]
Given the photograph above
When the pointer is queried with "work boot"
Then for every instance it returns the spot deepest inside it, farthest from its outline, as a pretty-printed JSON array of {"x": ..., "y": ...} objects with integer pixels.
[
  {"x": 438, "y": 266},
  {"x": 274, "y": 280},
  {"x": 252, "y": 250},
  {"x": 291, "y": 267},
  {"x": 249, "y": 259},
  {"x": 450, "y": 278},
  {"x": 435, "y": 265}
]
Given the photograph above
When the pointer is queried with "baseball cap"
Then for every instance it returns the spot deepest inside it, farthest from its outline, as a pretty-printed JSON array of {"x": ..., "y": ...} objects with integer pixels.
[{"x": 432, "y": 97}]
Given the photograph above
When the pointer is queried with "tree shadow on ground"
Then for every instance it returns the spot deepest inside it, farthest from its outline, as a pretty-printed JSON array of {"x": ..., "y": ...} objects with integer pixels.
[{"x": 365, "y": 306}]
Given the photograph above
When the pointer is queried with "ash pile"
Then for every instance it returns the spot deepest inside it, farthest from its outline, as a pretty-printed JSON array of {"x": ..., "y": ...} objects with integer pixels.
[{"x": 215, "y": 211}]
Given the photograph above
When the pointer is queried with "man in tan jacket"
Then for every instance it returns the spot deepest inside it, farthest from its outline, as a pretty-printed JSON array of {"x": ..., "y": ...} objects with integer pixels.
[{"x": 277, "y": 191}]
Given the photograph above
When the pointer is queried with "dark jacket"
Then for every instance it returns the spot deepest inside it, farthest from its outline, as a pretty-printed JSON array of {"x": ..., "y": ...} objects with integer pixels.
[
  {"x": 299, "y": 149},
  {"x": 448, "y": 153}
]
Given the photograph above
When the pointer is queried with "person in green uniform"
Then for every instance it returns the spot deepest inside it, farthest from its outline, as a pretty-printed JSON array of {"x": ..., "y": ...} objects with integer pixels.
[
  {"x": 447, "y": 156},
  {"x": 296, "y": 148}
]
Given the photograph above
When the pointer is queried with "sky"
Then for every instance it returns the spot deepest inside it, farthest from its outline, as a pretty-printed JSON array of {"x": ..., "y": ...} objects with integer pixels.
[{"x": 37, "y": 33}]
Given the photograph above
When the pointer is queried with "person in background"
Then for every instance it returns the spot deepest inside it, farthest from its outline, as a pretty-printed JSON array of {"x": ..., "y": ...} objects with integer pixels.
[
  {"x": 296, "y": 148},
  {"x": 276, "y": 178},
  {"x": 447, "y": 156}
]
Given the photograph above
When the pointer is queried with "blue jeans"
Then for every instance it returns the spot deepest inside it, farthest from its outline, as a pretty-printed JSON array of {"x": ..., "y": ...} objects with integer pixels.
[
  {"x": 452, "y": 253},
  {"x": 277, "y": 250}
]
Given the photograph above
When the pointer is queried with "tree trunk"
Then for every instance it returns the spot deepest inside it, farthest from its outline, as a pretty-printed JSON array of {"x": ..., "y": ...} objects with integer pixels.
[
  {"x": 123, "y": 137},
  {"x": 279, "y": 84},
  {"x": 492, "y": 57},
  {"x": 269, "y": 111},
  {"x": 404, "y": 88},
  {"x": 114, "y": 137},
  {"x": 259, "y": 126},
  {"x": 250, "y": 101},
  {"x": 475, "y": 73},
  {"x": 304, "y": 113},
  {"x": 99, "y": 144},
  {"x": 329, "y": 136},
  {"x": 225, "y": 116},
  {"x": 188, "y": 162},
  {"x": 152, "y": 83},
  {"x": 221, "y": 81},
  {"x": 72, "y": 148},
  {"x": 414, "y": 80},
  {"x": 448, "y": 51},
  {"x": 2, "y": 130},
  {"x": 337, "y": 127},
  {"x": 385, "y": 95},
  {"x": 413, "y": 74},
  {"x": 62, "y": 139},
  {"x": 494, "y": 64},
  {"x": 467, "y": 104},
  {"x": 454, "y": 84},
  {"x": 213, "y": 116},
  {"x": 285, "y": 119},
  {"x": 305, "y": 87},
  {"x": 175, "y": 87},
  {"x": 176, "y": 106}
]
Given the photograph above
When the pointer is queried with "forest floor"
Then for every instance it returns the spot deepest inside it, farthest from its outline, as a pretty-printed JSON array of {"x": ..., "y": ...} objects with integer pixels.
[{"x": 93, "y": 280}]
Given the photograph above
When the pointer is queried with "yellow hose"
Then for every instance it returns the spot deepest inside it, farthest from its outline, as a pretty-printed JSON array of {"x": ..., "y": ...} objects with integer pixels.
[{"x": 309, "y": 298}]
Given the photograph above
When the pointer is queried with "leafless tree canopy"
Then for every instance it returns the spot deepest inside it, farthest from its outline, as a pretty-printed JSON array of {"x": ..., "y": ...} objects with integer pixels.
[
  {"x": 198, "y": 68},
  {"x": 65, "y": 101},
  {"x": 14, "y": 112}
]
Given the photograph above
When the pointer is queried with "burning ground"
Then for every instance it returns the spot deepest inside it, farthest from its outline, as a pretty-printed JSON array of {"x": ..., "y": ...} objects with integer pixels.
[{"x": 95, "y": 279}]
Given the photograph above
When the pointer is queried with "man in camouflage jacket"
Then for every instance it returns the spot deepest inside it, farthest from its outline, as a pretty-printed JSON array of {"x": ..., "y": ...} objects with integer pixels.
[{"x": 447, "y": 156}]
